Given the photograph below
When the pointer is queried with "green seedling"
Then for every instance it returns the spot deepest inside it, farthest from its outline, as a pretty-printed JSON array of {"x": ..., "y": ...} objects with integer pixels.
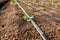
[
  {"x": 25, "y": 17},
  {"x": 14, "y": 2},
  {"x": 42, "y": 8}
]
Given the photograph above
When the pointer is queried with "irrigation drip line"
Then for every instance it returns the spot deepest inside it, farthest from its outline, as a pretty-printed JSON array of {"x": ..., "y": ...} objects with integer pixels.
[
  {"x": 34, "y": 24},
  {"x": 33, "y": 7},
  {"x": 53, "y": 8},
  {"x": 49, "y": 7},
  {"x": 49, "y": 13},
  {"x": 44, "y": 12}
]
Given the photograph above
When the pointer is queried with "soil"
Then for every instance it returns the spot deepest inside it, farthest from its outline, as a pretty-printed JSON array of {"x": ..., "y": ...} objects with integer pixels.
[{"x": 14, "y": 27}]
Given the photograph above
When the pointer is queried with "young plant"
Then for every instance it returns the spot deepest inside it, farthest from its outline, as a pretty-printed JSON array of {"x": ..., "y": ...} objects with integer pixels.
[
  {"x": 14, "y": 2},
  {"x": 25, "y": 17},
  {"x": 42, "y": 8}
]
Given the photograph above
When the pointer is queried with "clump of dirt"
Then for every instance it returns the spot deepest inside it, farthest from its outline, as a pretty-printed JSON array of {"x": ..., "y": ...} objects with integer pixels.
[{"x": 13, "y": 27}]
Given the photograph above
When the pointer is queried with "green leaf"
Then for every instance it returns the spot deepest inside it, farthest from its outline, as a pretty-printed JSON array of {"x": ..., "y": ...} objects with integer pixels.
[
  {"x": 25, "y": 17},
  {"x": 42, "y": 8},
  {"x": 14, "y": 2}
]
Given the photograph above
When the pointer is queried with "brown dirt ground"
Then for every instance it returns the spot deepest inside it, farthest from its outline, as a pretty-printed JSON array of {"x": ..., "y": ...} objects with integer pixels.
[{"x": 13, "y": 27}]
